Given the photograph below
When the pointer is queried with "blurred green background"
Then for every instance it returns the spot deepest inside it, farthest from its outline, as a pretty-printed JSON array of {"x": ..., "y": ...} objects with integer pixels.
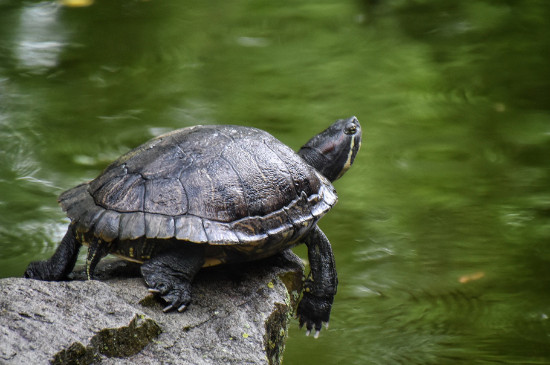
[{"x": 442, "y": 229}]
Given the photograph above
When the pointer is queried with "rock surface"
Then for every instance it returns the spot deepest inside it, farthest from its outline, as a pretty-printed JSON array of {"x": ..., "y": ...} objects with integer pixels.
[{"x": 239, "y": 316}]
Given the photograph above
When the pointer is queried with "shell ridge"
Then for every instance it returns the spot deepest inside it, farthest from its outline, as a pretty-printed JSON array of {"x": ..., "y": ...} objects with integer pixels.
[
  {"x": 184, "y": 192},
  {"x": 280, "y": 229},
  {"x": 286, "y": 166},
  {"x": 94, "y": 190},
  {"x": 247, "y": 187},
  {"x": 181, "y": 177},
  {"x": 241, "y": 183}
]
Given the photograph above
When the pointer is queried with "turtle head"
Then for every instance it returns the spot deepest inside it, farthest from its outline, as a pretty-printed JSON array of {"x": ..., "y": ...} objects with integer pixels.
[{"x": 333, "y": 150}]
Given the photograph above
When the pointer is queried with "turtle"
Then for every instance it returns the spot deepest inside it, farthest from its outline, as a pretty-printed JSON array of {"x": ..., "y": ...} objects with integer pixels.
[{"x": 207, "y": 195}]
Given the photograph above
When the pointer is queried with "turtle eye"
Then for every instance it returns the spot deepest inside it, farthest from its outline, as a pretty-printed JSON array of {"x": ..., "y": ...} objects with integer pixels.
[{"x": 350, "y": 128}]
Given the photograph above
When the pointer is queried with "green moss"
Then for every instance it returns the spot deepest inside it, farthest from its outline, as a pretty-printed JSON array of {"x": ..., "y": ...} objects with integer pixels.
[
  {"x": 76, "y": 354},
  {"x": 126, "y": 341},
  {"x": 294, "y": 285},
  {"x": 111, "y": 342},
  {"x": 276, "y": 333}
]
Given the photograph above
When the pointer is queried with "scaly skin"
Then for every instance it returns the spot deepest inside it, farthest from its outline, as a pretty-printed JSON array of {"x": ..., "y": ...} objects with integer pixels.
[
  {"x": 170, "y": 274},
  {"x": 321, "y": 284}
]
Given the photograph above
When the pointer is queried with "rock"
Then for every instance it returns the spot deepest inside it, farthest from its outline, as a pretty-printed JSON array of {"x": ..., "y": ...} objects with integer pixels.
[{"x": 239, "y": 315}]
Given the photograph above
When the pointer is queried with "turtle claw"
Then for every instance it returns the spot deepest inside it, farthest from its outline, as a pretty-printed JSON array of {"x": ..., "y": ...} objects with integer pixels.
[
  {"x": 180, "y": 303},
  {"x": 316, "y": 335},
  {"x": 176, "y": 295},
  {"x": 167, "y": 283},
  {"x": 178, "y": 300},
  {"x": 168, "y": 308},
  {"x": 182, "y": 308},
  {"x": 313, "y": 311}
]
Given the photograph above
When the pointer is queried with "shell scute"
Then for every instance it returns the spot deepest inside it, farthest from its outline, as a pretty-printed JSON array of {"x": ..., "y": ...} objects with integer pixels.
[
  {"x": 107, "y": 227},
  {"x": 159, "y": 226},
  {"x": 165, "y": 160},
  {"x": 111, "y": 173},
  {"x": 132, "y": 226},
  {"x": 190, "y": 228},
  {"x": 304, "y": 177},
  {"x": 250, "y": 231},
  {"x": 220, "y": 233},
  {"x": 278, "y": 226},
  {"x": 123, "y": 194},
  {"x": 165, "y": 196}
]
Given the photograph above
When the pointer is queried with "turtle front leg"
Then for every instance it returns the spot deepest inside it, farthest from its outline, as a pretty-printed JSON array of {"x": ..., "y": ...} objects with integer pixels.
[
  {"x": 60, "y": 265},
  {"x": 170, "y": 274},
  {"x": 321, "y": 283}
]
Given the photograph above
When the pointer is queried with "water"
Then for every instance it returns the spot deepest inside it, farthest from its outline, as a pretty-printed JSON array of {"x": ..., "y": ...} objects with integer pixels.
[{"x": 442, "y": 227}]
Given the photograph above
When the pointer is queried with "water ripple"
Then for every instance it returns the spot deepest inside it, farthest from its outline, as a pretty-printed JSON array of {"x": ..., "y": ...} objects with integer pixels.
[{"x": 40, "y": 40}]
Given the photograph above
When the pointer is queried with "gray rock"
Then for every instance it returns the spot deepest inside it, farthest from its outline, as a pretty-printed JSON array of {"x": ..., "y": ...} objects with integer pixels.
[{"x": 239, "y": 315}]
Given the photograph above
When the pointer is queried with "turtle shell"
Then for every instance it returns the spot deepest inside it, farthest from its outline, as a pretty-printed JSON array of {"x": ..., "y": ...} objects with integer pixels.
[{"x": 216, "y": 185}]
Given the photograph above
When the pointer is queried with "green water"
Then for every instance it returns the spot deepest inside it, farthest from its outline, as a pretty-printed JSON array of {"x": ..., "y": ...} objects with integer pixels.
[{"x": 442, "y": 230}]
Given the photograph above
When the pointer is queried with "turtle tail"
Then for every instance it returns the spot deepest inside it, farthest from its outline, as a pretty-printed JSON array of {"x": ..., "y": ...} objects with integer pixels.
[{"x": 97, "y": 250}]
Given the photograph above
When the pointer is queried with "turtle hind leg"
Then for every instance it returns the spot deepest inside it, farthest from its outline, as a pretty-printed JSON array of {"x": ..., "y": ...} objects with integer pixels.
[
  {"x": 59, "y": 266},
  {"x": 169, "y": 274}
]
